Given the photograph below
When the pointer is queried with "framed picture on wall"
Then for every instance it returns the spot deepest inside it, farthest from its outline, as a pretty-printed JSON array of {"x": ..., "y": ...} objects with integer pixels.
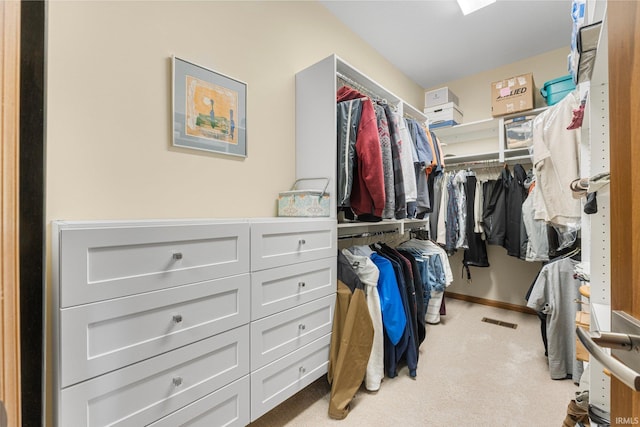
[{"x": 209, "y": 110}]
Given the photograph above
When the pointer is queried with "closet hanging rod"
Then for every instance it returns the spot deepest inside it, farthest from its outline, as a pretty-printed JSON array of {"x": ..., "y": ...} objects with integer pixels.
[
  {"x": 367, "y": 234},
  {"x": 410, "y": 116},
  {"x": 359, "y": 87},
  {"x": 471, "y": 164},
  {"x": 483, "y": 163}
]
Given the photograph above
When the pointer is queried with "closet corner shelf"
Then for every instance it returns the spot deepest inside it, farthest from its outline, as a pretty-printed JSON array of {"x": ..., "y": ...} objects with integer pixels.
[
  {"x": 481, "y": 129},
  {"x": 464, "y": 132}
]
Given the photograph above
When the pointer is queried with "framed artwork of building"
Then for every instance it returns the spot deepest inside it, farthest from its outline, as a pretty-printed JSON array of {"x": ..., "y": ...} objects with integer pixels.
[{"x": 209, "y": 110}]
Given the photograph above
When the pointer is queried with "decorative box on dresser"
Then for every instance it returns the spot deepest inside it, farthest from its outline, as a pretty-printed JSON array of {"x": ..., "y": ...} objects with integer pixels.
[{"x": 154, "y": 322}]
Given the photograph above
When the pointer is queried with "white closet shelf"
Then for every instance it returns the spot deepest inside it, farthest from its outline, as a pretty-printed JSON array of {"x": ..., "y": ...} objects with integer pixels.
[
  {"x": 481, "y": 129},
  {"x": 399, "y": 225},
  {"x": 345, "y": 69},
  {"x": 464, "y": 132},
  {"x": 475, "y": 157},
  {"x": 484, "y": 132},
  {"x": 316, "y": 124}
]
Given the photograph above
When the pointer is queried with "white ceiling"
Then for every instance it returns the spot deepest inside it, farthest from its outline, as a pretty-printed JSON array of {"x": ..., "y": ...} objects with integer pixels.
[{"x": 432, "y": 42}]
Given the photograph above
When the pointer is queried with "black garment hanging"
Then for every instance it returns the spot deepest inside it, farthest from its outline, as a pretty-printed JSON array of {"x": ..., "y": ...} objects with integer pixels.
[
  {"x": 437, "y": 179},
  {"x": 494, "y": 213},
  {"x": 476, "y": 254},
  {"x": 406, "y": 348},
  {"x": 515, "y": 196},
  {"x": 418, "y": 282},
  {"x": 410, "y": 289}
]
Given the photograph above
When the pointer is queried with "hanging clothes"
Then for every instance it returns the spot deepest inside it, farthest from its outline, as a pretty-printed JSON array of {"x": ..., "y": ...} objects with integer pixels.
[
  {"x": 408, "y": 156},
  {"x": 459, "y": 182},
  {"x": 369, "y": 275},
  {"x": 367, "y": 198},
  {"x": 441, "y": 236},
  {"x": 394, "y": 320},
  {"x": 452, "y": 214},
  {"x": 405, "y": 349},
  {"x": 438, "y": 152},
  {"x": 398, "y": 177},
  {"x": 425, "y": 159},
  {"x": 387, "y": 162},
  {"x": 554, "y": 293},
  {"x": 437, "y": 179},
  {"x": 476, "y": 253},
  {"x": 494, "y": 209},
  {"x": 351, "y": 340},
  {"x": 515, "y": 196},
  {"x": 537, "y": 239},
  {"x": 556, "y": 157},
  {"x": 431, "y": 272},
  {"x": 478, "y": 225},
  {"x": 419, "y": 295},
  {"x": 348, "y": 118},
  {"x": 428, "y": 249}
]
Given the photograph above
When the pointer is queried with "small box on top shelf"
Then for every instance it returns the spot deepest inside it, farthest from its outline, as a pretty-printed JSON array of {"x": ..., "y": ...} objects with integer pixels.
[
  {"x": 439, "y": 96},
  {"x": 512, "y": 95},
  {"x": 448, "y": 114},
  {"x": 554, "y": 90}
]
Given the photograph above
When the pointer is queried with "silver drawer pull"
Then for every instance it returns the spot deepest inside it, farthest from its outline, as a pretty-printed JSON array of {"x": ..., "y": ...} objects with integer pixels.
[
  {"x": 177, "y": 256},
  {"x": 302, "y": 241},
  {"x": 302, "y": 370},
  {"x": 617, "y": 341},
  {"x": 302, "y": 327},
  {"x": 301, "y": 284},
  {"x": 177, "y": 318},
  {"x": 177, "y": 381}
]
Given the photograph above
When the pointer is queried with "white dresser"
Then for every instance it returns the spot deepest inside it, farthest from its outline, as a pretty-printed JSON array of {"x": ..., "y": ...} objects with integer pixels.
[
  {"x": 293, "y": 286},
  {"x": 203, "y": 322}
]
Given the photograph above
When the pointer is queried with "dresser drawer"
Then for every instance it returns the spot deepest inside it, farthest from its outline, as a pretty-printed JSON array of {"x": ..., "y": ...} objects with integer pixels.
[
  {"x": 278, "y": 335},
  {"x": 108, "y": 335},
  {"x": 283, "y": 378},
  {"x": 281, "y": 288},
  {"x": 277, "y": 243},
  {"x": 147, "y": 391},
  {"x": 103, "y": 262},
  {"x": 227, "y": 407}
]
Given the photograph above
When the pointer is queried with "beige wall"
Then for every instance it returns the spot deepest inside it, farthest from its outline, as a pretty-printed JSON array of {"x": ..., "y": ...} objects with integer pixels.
[
  {"x": 474, "y": 92},
  {"x": 109, "y": 153},
  {"x": 508, "y": 278}
]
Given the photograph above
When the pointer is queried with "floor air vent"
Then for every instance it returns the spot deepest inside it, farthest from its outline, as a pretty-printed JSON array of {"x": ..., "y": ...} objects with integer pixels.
[{"x": 499, "y": 323}]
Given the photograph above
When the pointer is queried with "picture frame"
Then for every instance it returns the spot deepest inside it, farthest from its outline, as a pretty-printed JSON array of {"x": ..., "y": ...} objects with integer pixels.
[{"x": 209, "y": 110}]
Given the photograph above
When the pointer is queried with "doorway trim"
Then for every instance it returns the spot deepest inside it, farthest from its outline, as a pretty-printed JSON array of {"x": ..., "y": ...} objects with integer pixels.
[{"x": 10, "y": 391}]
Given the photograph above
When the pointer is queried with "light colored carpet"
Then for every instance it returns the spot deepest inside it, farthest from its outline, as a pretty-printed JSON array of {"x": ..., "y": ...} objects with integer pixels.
[{"x": 470, "y": 373}]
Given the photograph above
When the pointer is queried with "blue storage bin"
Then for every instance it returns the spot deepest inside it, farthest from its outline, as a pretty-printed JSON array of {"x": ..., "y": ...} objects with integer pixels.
[{"x": 554, "y": 90}]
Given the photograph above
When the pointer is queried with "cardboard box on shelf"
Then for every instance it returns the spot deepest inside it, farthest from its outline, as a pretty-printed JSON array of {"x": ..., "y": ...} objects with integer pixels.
[
  {"x": 448, "y": 114},
  {"x": 439, "y": 96},
  {"x": 512, "y": 95}
]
